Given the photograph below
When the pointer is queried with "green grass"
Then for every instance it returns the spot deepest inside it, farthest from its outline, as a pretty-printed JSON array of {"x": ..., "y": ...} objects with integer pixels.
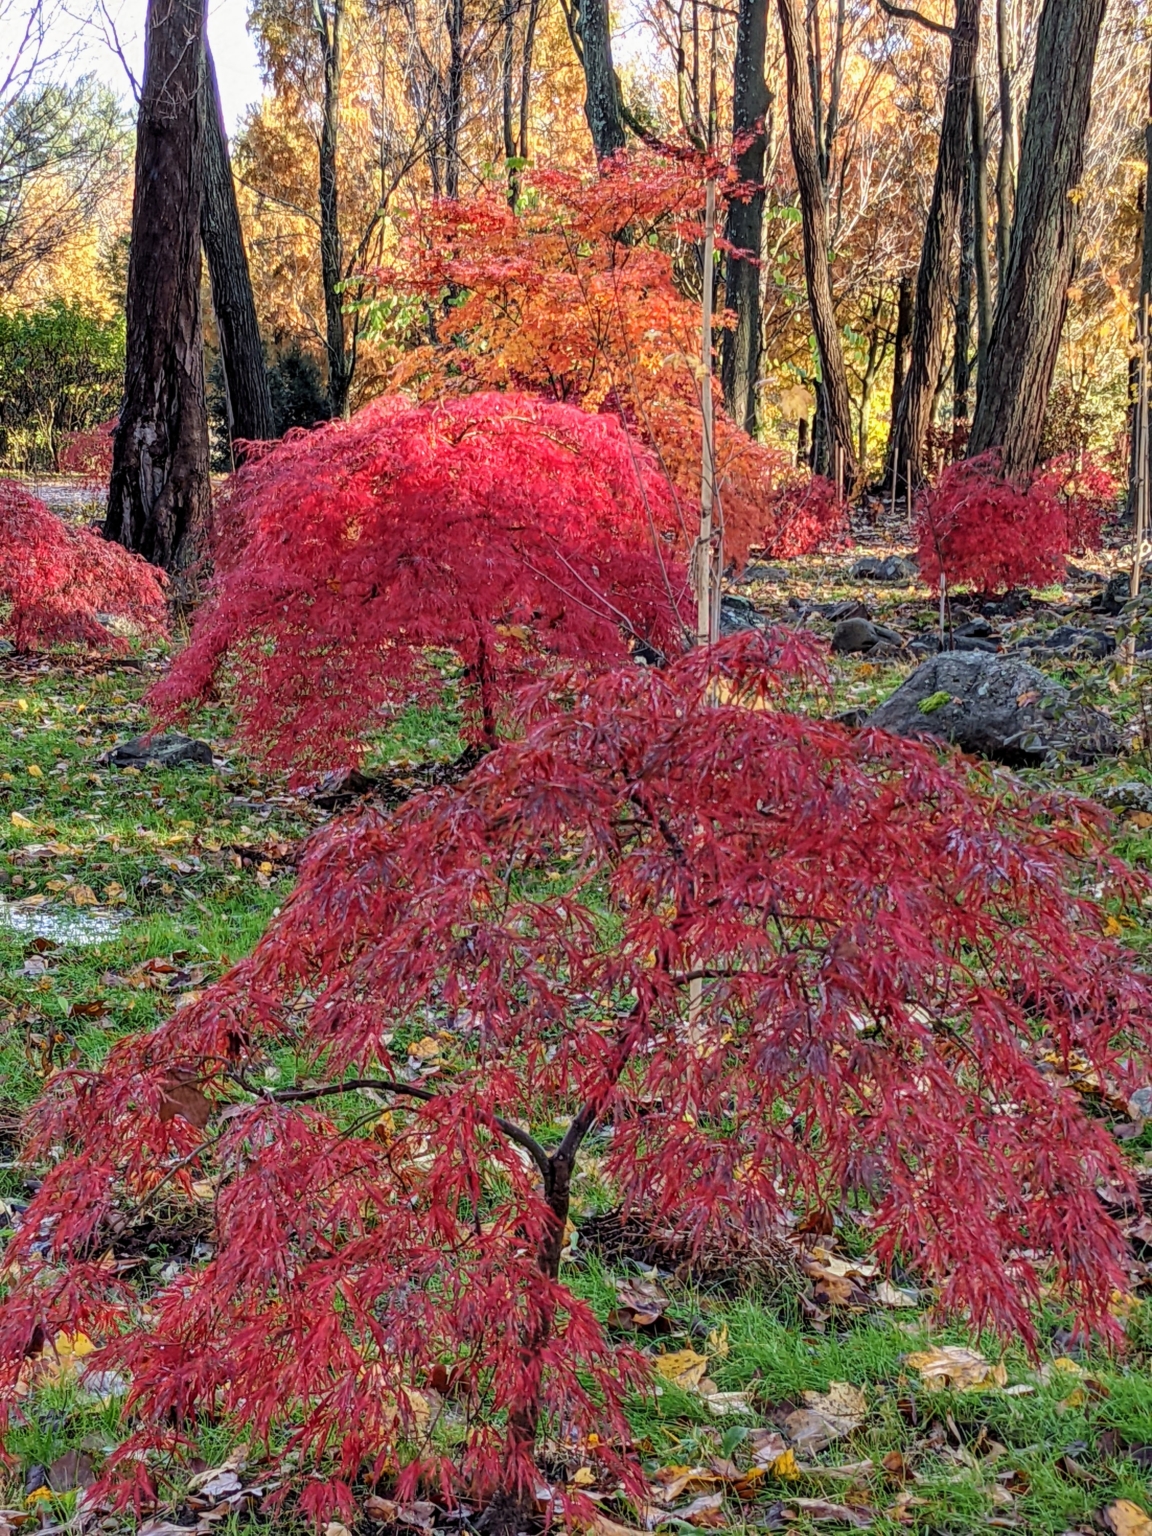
[{"x": 174, "y": 861}]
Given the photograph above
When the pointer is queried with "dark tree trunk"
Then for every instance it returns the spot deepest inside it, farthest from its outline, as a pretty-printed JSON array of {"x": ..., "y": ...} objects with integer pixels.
[
  {"x": 914, "y": 417},
  {"x": 526, "y": 74},
  {"x": 1033, "y": 296},
  {"x": 602, "y": 92},
  {"x": 834, "y": 437},
  {"x": 962, "y": 342},
  {"x": 158, "y": 499},
  {"x": 454, "y": 104},
  {"x": 751, "y": 116},
  {"x": 905, "y": 307},
  {"x": 245, "y": 376},
  {"x": 328, "y": 16},
  {"x": 980, "y": 220},
  {"x": 1005, "y": 165}
]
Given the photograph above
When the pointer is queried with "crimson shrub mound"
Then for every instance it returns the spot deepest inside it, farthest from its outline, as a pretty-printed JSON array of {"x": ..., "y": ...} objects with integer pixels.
[
  {"x": 757, "y": 962},
  {"x": 988, "y": 534},
  {"x": 510, "y": 530},
  {"x": 57, "y": 579}
]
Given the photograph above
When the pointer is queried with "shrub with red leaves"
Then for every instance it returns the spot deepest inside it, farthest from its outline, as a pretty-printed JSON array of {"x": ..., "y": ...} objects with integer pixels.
[
  {"x": 89, "y": 454},
  {"x": 808, "y": 513},
  {"x": 57, "y": 579},
  {"x": 991, "y": 535},
  {"x": 508, "y": 529},
  {"x": 756, "y": 962},
  {"x": 1087, "y": 492},
  {"x": 988, "y": 534}
]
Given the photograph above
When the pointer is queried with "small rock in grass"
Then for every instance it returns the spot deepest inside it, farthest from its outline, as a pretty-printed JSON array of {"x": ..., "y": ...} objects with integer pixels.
[{"x": 166, "y": 751}]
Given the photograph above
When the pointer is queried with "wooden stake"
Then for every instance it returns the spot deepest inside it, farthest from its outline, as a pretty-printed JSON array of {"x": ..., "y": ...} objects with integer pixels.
[
  {"x": 707, "y": 621},
  {"x": 1140, "y": 487}
]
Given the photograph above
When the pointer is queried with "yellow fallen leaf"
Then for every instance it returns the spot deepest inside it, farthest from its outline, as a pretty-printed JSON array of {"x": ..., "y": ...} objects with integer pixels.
[
  {"x": 1127, "y": 1519},
  {"x": 82, "y": 895},
  {"x": 35, "y": 771},
  {"x": 20, "y": 821},
  {"x": 425, "y": 1049},
  {"x": 718, "y": 1341},
  {"x": 583, "y": 1477},
  {"x": 785, "y": 1466},
  {"x": 684, "y": 1368},
  {"x": 952, "y": 1367}
]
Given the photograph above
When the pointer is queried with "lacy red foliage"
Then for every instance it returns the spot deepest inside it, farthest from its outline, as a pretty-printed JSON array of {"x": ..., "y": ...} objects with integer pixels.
[
  {"x": 808, "y": 513},
  {"x": 58, "y": 578},
  {"x": 507, "y": 529},
  {"x": 556, "y": 299},
  {"x": 89, "y": 454},
  {"x": 1088, "y": 493},
  {"x": 897, "y": 959},
  {"x": 987, "y": 533},
  {"x": 991, "y": 535}
]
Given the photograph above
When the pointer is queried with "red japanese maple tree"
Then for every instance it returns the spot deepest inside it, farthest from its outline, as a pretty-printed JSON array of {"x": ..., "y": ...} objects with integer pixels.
[
  {"x": 58, "y": 579},
  {"x": 754, "y": 960},
  {"x": 989, "y": 534},
  {"x": 507, "y": 529}
]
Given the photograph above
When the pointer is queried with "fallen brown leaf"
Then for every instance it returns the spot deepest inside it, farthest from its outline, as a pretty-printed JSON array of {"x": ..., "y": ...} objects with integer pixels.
[
  {"x": 952, "y": 1367},
  {"x": 821, "y": 1509},
  {"x": 1124, "y": 1518}
]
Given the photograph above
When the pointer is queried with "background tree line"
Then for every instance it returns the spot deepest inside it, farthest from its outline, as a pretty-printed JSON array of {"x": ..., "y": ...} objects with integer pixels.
[{"x": 930, "y": 259}]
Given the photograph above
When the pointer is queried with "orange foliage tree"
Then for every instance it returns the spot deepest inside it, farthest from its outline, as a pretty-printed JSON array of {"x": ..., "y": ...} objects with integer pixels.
[{"x": 583, "y": 293}]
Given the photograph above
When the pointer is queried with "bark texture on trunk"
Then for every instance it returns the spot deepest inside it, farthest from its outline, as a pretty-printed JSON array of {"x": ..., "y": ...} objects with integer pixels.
[
  {"x": 914, "y": 416},
  {"x": 905, "y": 305},
  {"x": 454, "y": 100},
  {"x": 962, "y": 333},
  {"x": 834, "y": 438},
  {"x": 1033, "y": 296},
  {"x": 1006, "y": 161},
  {"x": 328, "y": 16},
  {"x": 602, "y": 93},
  {"x": 980, "y": 220},
  {"x": 245, "y": 376},
  {"x": 158, "y": 499},
  {"x": 744, "y": 227}
]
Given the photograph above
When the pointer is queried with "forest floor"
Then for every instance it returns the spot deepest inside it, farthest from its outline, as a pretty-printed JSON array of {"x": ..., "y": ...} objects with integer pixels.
[{"x": 124, "y": 892}]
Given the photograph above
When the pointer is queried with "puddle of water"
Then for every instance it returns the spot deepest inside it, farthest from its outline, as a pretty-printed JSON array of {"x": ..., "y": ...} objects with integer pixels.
[{"x": 62, "y": 925}]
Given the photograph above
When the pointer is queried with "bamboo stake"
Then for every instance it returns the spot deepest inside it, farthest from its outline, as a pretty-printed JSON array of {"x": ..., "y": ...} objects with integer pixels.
[
  {"x": 1140, "y": 487},
  {"x": 706, "y": 620}
]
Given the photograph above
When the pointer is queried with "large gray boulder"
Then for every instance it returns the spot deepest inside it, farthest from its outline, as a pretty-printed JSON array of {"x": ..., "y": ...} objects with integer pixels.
[{"x": 997, "y": 706}]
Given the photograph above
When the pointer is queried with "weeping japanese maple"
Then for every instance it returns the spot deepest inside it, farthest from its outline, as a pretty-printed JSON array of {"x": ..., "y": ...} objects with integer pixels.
[
  {"x": 62, "y": 584},
  {"x": 509, "y": 530},
  {"x": 754, "y": 960}
]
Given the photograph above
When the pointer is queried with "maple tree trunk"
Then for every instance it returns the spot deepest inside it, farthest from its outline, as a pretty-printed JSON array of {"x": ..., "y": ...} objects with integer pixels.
[
  {"x": 249, "y": 400},
  {"x": 914, "y": 414},
  {"x": 158, "y": 498},
  {"x": 835, "y": 438},
  {"x": 602, "y": 98},
  {"x": 751, "y": 115},
  {"x": 1033, "y": 296},
  {"x": 328, "y": 20}
]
